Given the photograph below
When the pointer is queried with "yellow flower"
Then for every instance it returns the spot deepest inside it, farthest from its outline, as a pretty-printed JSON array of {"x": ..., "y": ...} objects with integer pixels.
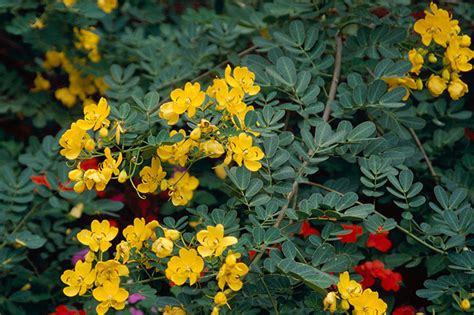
[
  {"x": 38, "y": 24},
  {"x": 107, "y": 5},
  {"x": 436, "y": 26},
  {"x": 213, "y": 242},
  {"x": 65, "y": 96},
  {"x": 465, "y": 305},
  {"x": 89, "y": 41},
  {"x": 181, "y": 187},
  {"x": 459, "y": 56},
  {"x": 241, "y": 150},
  {"x": 457, "y": 88},
  {"x": 188, "y": 265},
  {"x": 176, "y": 153},
  {"x": 231, "y": 272},
  {"x": 407, "y": 82},
  {"x": 69, "y": 3},
  {"x": 172, "y": 235},
  {"x": 98, "y": 178},
  {"x": 187, "y": 100},
  {"x": 139, "y": 232},
  {"x": 72, "y": 142},
  {"x": 243, "y": 78},
  {"x": 123, "y": 251},
  {"x": 110, "y": 271},
  {"x": 41, "y": 84},
  {"x": 99, "y": 237},
  {"x": 215, "y": 311},
  {"x": 162, "y": 247},
  {"x": 330, "y": 302},
  {"x": 217, "y": 85},
  {"x": 78, "y": 280},
  {"x": 347, "y": 287},
  {"x": 110, "y": 163},
  {"x": 95, "y": 116},
  {"x": 173, "y": 310},
  {"x": 212, "y": 148},
  {"x": 53, "y": 59},
  {"x": 368, "y": 303},
  {"x": 76, "y": 211},
  {"x": 436, "y": 85},
  {"x": 123, "y": 176},
  {"x": 220, "y": 299},
  {"x": 151, "y": 176},
  {"x": 230, "y": 100},
  {"x": 416, "y": 59},
  {"x": 206, "y": 127},
  {"x": 220, "y": 171},
  {"x": 109, "y": 295}
]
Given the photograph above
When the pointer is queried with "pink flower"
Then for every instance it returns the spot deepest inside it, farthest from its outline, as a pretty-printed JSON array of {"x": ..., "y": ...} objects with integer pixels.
[
  {"x": 135, "y": 297},
  {"x": 136, "y": 311},
  {"x": 80, "y": 255}
]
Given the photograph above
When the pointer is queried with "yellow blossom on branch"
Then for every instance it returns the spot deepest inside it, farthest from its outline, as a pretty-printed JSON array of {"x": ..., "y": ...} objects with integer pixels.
[
  {"x": 459, "y": 55},
  {"x": 181, "y": 187},
  {"x": 151, "y": 176},
  {"x": 109, "y": 295},
  {"x": 95, "y": 116},
  {"x": 41, "y": 84},
  {"x": 240, "y": 149},
  {"x": 231, "y": 272},
  {"x": 368, "y": 303},
  {"x": 242, "y": 78},
  {"x": 213, "y": 242},
  {"x": 436, "y": 85},
  {"x": 348, "y": 288},
  {"x": 416, "y": 58},
  {"x": 78, "y": 280},
  {"x": 330, "y": 302},
  {"x": 176, "y": 153},
  {"x": 408, "y": 83},
  {"x": 457, "y": 88},
  {"x": 182, "y": 100},
  {"x": 437, "y": 25},
  {"x": 173, "y": 310},
  {"x": 188, "y": 265},
  {"x": 139, "y": 232},
  {"x": 162, "y": 247},
  {"x": 99, "y": 237},
  {"x": 107, "y": 5},
  {"x": 110, "y": 271},
  {"x": 73, "y": 141}
]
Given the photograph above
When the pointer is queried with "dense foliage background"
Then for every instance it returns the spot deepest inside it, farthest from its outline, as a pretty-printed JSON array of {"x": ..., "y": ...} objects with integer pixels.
[{"x": 376, "y": 183}]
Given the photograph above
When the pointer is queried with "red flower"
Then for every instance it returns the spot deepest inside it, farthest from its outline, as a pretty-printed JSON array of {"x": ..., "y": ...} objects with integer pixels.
[
  {"x": 379, "y": 241},
  {"x": 88, "y": 164},
  {"x": 352, "y": 236},
  {"x": 63, "y": 310},
  {"x": 370, "y": 270},
  {"x": 113, "y": 222},
  {"x": 307, "y": 229},
  {"x": 404, "y": 310},
  {"x": 252, "y": 254},
  {"x": 391, "y": 280},
  {"x": 469, "y": 134},
  {"x": 41, "y": 180}
]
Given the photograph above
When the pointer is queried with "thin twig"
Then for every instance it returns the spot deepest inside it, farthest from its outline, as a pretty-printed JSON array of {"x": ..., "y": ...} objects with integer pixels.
[
  {"x": 425, "y": 156},
  {"x": 205, "y": 74},
  {"x": 402, "y": 229},
  {"x": 327, "y": 111},
  {"x": 335, "y": 78}
]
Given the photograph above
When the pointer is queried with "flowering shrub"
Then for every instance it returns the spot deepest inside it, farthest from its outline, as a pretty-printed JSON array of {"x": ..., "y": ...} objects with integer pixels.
[{"x": 228, "y": 157}]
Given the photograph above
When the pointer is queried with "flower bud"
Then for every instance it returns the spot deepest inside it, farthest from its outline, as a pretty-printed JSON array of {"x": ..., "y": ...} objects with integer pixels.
[
  {"x": 103, "y": 132},
  {"x": 162, "y": 247},
  {"x": 419, "y": 84},
  {"x": 195, "y": 134},
  {"x": 123, "y": 176},
  {"x": 76, "y": 211},
  {"x": 75, "y": 175},
  {"x": 172, "y": 235},
  {"x": 465, "y": 41},
  {"x": 432, "y": 58},
  {"x": 90, "y": 145},
  {"x": 220, "y": 299},
  {"x": 79, "y": 186},
  {"x": 465, "y": 305},
  {"x": 446, "y": 74}
]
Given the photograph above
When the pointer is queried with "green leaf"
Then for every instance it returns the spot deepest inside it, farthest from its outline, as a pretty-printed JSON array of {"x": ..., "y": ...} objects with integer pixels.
[
  {"x": 312, "y": 277},
  {"x": 286, "y": 68},
  {"x": 26, "y": 238},
  {"x": 362, "y": 131},
  {"x": 297, "y": 31}
]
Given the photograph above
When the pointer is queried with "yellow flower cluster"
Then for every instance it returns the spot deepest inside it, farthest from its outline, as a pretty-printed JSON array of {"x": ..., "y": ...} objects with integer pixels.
[
  {"x": 89, "y": 41},
  {"x": 104, "y": 278},
  {"x": 81, "y": 86},
  {"x": 226, "y": 96},
  {"x": 184, "y": 262},
  {"x": 350, "y": 293},
  {"x": 453, "y": 50},
  {"x": 105, "y": 5}
]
